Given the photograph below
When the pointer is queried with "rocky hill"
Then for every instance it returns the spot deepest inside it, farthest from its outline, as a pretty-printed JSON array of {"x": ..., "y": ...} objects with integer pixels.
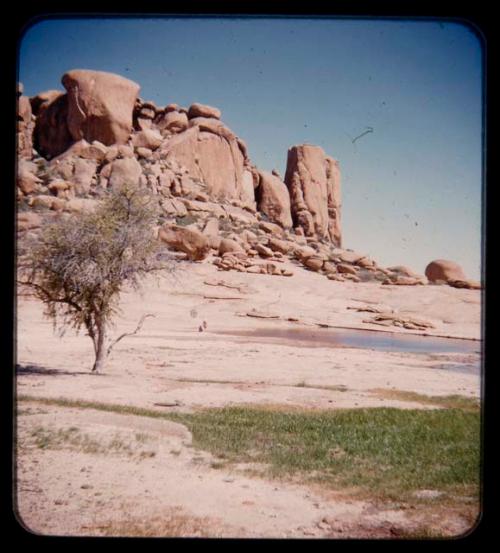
[{"x": 75, "y": 145}]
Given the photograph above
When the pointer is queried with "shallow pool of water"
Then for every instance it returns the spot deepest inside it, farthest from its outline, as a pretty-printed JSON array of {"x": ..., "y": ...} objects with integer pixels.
[{"x": 363, "y": 339}]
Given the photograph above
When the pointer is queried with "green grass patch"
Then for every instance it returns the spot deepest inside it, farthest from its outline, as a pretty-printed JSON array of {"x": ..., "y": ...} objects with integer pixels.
[
  {"x": 388, "y": 451},
  {"x": 384, "y": 453}
]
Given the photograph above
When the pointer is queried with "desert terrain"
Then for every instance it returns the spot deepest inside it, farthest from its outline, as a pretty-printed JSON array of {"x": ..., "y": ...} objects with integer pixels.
[{"x": 242, "y": 357}]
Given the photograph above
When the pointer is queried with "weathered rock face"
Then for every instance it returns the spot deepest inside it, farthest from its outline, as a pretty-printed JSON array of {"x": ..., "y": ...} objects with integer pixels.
[
  {"x": 313, "y": 181},
  {"x": 51, "y": 135},
  {"x": 100, "y": 106},
  {"x": 443, "y": 270},
  {"x": 273, "y": 199},
  {"x": 209, "y": 157}
]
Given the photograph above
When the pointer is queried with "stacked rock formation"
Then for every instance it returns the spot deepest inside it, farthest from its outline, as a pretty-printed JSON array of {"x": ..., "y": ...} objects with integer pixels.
[{"x": 99, "y": 134}]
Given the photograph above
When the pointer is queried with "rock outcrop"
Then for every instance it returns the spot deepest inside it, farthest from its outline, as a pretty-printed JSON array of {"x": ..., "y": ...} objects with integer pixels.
[
  {"x": 313, "y": 181},
  {"x": 213, "y": 200},
  {"x": 24, "y": 125}
]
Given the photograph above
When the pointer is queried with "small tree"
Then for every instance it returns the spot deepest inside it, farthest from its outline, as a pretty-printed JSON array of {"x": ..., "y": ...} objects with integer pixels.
[{"x": 78, "y": 266}]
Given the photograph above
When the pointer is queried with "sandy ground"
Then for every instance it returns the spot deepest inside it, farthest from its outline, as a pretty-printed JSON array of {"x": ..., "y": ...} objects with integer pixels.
[{"x": 170, "y": 362}]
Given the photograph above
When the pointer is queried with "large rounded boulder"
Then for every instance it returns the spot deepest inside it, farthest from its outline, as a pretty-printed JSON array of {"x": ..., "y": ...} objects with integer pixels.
[
  {"x": 100, "y": 106},
  {"x": 444, "y": 271}
]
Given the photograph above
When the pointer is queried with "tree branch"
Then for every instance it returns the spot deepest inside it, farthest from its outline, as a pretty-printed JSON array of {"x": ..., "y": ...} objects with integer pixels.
[
  {"x": 48, "y": 295},
  {"x": 139, "y": 326}
]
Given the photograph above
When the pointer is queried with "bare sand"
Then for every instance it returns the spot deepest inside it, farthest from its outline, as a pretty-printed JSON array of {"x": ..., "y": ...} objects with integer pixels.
[{"x": 171, "y": 363}]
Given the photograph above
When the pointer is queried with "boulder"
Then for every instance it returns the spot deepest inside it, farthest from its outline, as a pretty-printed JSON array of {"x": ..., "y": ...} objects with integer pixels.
[
  {"x": 230, "y": 246},
  {"x": 313, "y": 181},
  {"x": 144, "y": 153},
  {"x": 188, "y": 240},
  {"x": 303, "y": 252},
  {"x": 271, "y": 228},
  {"x": 81, "y": 205},
  {"x": 442, "y": 270},
  {"x": 100, "y": 106},
  {"x": 468, "y": 284},
  {"x": 211, "y": 231},
  {"x": 43, "y": 98},
  {"x": 345, "y": 269},
  {"x": 125, "y": 171},
  {"x": 401, "y": 280},
  {"x": 348, "y": 256},
  {"x": 42, "y": 200},
  {"x": 217, "y": 127},
  {"x": 402, "y": 270},
  {"x": 273, "y": 199},
  {"x": 329, "y": 267},
  {"x": 173, "y": 121},
  {"x": 27, "y": 181},
  {"x": 247, "y": 192},
  {"x": 51, "y": 135},
  {"x": 173, "y": 206},
  {"x": 278, "y": 245},
  {"x": 147, "y": 138},
  {"x": 202, "y": 110},
  {"x": 314, "y": 263},
  {"x": 209, "y": 158},
  {"x": 25, "y": 128},
  {"x": 263, "y": 251},
  {"x": 83, "y": 174}
]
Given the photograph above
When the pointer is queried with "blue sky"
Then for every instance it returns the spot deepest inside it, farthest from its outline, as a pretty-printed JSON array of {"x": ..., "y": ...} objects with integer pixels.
[{"x": 411, "y": 188}]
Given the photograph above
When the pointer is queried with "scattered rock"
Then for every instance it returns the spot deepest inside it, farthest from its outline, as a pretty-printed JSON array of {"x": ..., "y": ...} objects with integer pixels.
[
  {"x": 314, "y": 263},
  {"x": 468, "y": 284},
  {"x": 271, "y": 228},
  {"x": 188, "y": 240},
  {"x": 345, "y": 269},
  {"x": 230, "y": 246}
]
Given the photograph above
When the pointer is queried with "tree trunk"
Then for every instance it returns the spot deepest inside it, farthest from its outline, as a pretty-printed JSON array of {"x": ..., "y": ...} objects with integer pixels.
[{"x": 100, "y": 354}]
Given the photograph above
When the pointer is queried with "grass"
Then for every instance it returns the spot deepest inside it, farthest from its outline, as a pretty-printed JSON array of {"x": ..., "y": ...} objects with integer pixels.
[
  {"x": 72, "y": 438},
  {"x": 171, "y": 524},
  {"x": 383, "y": 453},
  {"x": 445, "y": 402},
  {"x": 333, "y": 388}
]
